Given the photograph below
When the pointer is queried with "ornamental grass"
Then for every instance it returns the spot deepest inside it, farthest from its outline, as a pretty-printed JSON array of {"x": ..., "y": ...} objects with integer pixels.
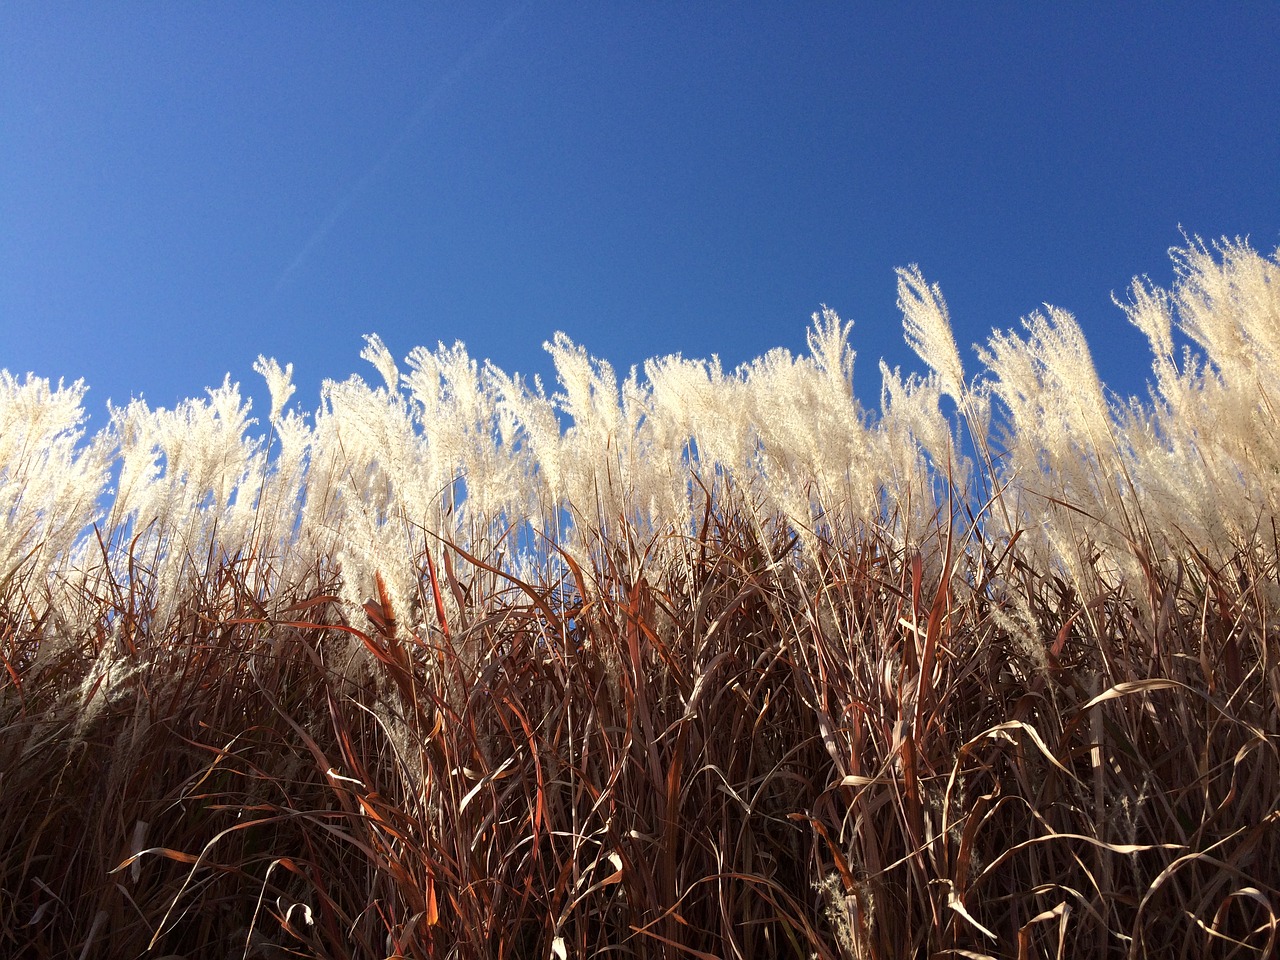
[{"x": 699, "y": 664}]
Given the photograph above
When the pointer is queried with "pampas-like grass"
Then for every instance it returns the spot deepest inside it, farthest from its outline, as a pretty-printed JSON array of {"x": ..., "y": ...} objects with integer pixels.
[{"x": 702, "y": 663}]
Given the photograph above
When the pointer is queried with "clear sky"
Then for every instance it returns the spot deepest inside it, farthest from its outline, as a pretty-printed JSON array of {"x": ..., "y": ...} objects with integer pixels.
[{"x": 185, "y": 186}]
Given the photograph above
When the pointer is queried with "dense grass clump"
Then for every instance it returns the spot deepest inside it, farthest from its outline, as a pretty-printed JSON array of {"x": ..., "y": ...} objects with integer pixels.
[{"x": 723, "y": 666}]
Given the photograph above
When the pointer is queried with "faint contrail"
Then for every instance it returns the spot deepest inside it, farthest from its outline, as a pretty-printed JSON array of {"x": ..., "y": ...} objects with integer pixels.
[{"x": 375, "y": 170}]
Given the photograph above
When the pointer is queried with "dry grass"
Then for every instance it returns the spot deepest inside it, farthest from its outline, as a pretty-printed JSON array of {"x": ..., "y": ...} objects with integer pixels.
[
  {"x": 746, "y": 755},
  {"x": 728, "y": 668}
]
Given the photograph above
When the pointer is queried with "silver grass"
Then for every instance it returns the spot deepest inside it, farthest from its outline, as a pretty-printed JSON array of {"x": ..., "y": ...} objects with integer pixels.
[
  {"x": 927, "y": 327},
  {"x": 460, "y": 452},
  {"x": 279, "y": 383}
]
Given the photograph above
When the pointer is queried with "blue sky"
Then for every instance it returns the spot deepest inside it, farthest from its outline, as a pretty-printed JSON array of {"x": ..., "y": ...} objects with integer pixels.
[{"x": 185, "y": 186}]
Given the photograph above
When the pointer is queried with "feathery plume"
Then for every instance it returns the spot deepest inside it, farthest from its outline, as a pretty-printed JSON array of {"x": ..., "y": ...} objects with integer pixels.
[
  {"x": 927, "y": 327},
  {"x": 279, "y": 383}
]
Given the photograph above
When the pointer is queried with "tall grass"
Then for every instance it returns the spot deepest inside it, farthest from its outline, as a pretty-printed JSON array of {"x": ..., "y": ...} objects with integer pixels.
[{"x": 698, "y": 664}]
